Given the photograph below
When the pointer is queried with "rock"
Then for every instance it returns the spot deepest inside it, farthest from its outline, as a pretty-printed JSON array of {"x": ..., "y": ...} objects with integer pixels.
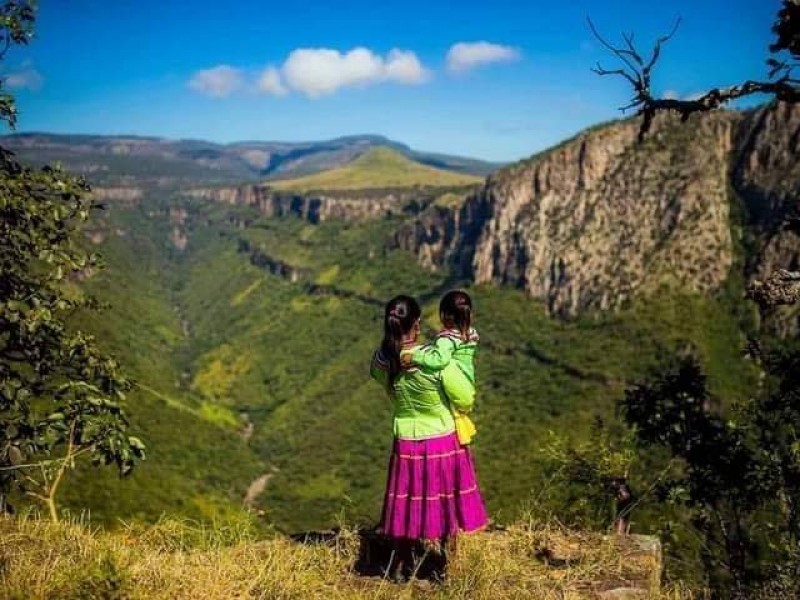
[
  {"x": 623, "y": 593},
  {"x": 125, "y": 195},
  {"x": 256, "y": 488},
  {"x": 766, "y": 177}
]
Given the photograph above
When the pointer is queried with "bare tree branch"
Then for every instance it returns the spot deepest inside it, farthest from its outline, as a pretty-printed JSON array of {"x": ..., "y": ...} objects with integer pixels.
[{"x": 637, "y": 72}]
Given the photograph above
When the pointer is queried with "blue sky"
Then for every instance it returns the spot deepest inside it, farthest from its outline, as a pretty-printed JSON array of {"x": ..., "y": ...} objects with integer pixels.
[{"x": 245, "y": 70}]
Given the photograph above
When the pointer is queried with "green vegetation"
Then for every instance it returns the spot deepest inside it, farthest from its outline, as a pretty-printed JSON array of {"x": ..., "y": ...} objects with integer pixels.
[
  {"x": 246, "y": 358},
  {"x": 377, "y": 168},
  {"x": 292, "y": 356},
  {"x": 241, "y": 372},
  {"x": 198, "y": 465},
  {"x": 733, "y": 474},
  {"x": 60, "y": 393}
]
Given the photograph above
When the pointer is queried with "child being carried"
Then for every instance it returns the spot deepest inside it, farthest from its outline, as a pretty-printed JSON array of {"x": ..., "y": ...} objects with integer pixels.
[{"x": 457, "y": 342}]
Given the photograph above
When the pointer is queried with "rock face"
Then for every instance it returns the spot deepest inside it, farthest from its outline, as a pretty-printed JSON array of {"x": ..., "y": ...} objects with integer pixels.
[
  {"x": 601, "y": 218},
  {"x": 177, "y": 218},
  {"x": 316, "y": 208},
  {"x": 766, "y": 177},
  {"x": 272, "y": 265}
]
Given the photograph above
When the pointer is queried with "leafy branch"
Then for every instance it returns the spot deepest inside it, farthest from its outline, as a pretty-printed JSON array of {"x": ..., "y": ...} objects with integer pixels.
[{"x": 60, "y": 394}]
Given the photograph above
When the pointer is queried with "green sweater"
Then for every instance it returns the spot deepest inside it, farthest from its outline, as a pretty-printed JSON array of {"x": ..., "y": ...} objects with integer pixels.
[
  {"x": 448, "y": 346},
  {"x": 421, "y": 408}
]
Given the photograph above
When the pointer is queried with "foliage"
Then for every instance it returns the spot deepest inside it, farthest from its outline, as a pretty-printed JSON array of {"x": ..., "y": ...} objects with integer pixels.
[
  {"x": 593, "y": 470},
  {"x": 16, "y": 27},
  {"x": 198, "y": 465},
  {"x": 316, "y": 417},
  {"x": 59, "y": 391},
  {"x": 60, "y": 394},
  {"x": 325, "y": 426},
  {"x": 732, "y": 468}
]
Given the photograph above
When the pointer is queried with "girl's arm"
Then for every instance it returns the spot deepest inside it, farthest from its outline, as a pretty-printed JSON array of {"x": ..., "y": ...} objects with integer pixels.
[
  {"x": 379, "y": 368},
  {"x": 434, "y": 356}
]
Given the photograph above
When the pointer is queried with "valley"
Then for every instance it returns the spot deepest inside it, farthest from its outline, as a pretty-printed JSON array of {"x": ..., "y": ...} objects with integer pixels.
[{"x": 247, "y": 311}]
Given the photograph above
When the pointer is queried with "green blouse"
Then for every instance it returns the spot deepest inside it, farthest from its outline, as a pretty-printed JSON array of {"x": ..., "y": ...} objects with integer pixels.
[{"x": 421, "y": 408}]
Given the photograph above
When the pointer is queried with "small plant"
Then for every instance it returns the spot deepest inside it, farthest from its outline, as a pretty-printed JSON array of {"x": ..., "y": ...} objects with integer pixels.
[{"x": 597, "y": 473}]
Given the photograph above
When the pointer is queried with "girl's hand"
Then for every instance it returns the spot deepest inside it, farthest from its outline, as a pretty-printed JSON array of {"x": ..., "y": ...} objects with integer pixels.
[{"x": 406, "y": 359}]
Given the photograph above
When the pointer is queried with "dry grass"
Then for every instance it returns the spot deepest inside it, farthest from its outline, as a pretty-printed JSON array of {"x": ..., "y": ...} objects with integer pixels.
[{"x": 175, "y": 560}]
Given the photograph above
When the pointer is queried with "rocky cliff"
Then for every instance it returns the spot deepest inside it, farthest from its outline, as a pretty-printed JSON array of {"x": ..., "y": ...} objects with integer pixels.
[
  {"x": 317, "y": 207},
  {"x": 766, "y": 177},
  {"x": 600, "y": 218}
]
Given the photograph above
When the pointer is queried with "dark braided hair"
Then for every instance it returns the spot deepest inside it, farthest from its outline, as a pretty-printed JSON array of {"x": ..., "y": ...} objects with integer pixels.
[
  {"x": 456, "y": 308},
  {"x": 400, "y": 316}
]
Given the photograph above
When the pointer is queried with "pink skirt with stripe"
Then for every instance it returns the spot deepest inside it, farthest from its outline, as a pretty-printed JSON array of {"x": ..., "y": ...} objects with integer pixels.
[{"x": 432, "y": 490}]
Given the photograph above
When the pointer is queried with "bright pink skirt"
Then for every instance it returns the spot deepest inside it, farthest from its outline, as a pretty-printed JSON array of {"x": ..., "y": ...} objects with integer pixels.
[{"x": 432, "y": 490}]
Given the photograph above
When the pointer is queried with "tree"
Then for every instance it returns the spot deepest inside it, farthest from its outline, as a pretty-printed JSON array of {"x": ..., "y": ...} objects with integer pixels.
[
  {"x": 60, "y": 394},
  {"x": 739, "y": 475},
  {"x": 724, "y": 479},
  {"x": 636, "y": 70}
]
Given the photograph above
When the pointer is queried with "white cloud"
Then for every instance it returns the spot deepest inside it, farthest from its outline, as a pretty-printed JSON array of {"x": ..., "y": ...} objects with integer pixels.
[
  {"x": 315, "y": 72},
  {"x": 217, "y": 82},
  {"x": 464, "y": 56},
  {"x": 319, "y": 71},
  {"x": 671, "y": 95},
  {"x": 403, "y": 66},
  {"x": 270, "y": 82},
  {"x": 26, "y": 78}
]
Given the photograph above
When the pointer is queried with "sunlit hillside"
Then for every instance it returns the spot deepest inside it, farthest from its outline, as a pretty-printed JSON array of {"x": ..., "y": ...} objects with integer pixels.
[{"x": 377, "y": 168}]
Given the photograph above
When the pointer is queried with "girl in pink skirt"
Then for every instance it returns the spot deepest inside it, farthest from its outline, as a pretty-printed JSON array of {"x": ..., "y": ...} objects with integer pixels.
[{"x": 432, "y": 492}]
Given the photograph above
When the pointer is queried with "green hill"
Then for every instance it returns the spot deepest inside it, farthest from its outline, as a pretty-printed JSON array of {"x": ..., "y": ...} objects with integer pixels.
[{"x": 377, "y": 168}]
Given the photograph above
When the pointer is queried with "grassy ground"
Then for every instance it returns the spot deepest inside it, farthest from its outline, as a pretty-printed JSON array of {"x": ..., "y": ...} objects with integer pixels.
[
  {"x": 176, "y": 560},
  {"x": 377, "y": 168}
]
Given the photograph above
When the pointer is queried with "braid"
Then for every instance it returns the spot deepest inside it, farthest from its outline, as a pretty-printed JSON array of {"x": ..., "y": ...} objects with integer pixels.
[{"x": 401, "y": 313}]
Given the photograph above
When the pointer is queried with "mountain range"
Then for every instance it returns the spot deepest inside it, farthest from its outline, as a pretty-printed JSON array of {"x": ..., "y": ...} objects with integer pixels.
[{"x": 116, "y": 160}]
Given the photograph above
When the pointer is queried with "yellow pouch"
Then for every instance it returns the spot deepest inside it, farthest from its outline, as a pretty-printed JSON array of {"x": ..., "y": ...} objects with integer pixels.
[{"x": 465, "y": 428}]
